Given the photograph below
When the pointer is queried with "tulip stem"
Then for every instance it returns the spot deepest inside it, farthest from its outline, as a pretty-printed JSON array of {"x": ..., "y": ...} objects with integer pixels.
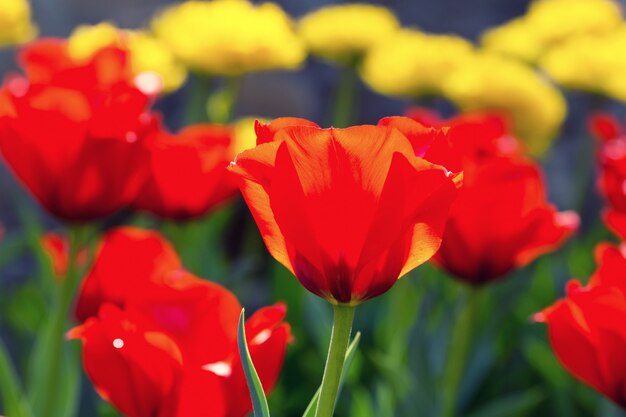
[
  {"x": 49, "y": 367},
  {"x": 343, "y": 316},
  {"x": 221, "y": 104},
  {"x": 458, "y": 351},
  {"x": 196, "y": 105},
  {"x": 343, "y": 110}
]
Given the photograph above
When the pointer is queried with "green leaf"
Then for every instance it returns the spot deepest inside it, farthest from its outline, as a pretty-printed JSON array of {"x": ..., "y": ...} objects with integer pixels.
[
  {"x": 259, "y": 402},
  {"x": 10, "y": 387},
  {"x": 518, "y": 404},
  {"x": 310, "y": 410}
]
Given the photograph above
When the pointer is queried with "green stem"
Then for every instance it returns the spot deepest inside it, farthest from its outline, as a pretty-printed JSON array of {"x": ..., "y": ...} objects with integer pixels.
[
  {"x": 343, "y": 316},
  {"x": 343, "y": 110},
  {"x": 221, "y": 104},
  {"x": 49, "y": 368},
  {"x": 10, "y": 387},
  {"x": 195, "y": 107},
  {"x": 458, "y": 351}
]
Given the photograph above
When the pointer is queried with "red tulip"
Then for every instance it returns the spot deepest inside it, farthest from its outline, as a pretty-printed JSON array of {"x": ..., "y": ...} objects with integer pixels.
[
  {"x": 126, "y": 261},
  {"x": 586, "y": 328},
  {"x": 612, "y": 158},
  {"x": 616, "y": 222},
  {"x": 188, "y": 173},
  {"x": 56, "y": 246},
  {"x": 174, "y": 352},
  {"x": 501, "y": 219},
  {"x": 348, "y": 211},
  {"x": 72, "y": 132}
]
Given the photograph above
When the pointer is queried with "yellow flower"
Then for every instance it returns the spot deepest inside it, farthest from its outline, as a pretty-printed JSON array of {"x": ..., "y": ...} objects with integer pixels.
[
  {"x": 147, "y": 54},
  {"x": 595, "y": 63},
  {"x": 345, "y": 32},
  {"x": 412, "y": 63},
  {"x": 549, "y": 22},
  {"x": 230, "y": 37},
  {"x": 85, "y": 40},
  {"x": 15, "y": 22},
  {"x": 513, "y": 39},
  {"x": 150, "y": 54},
  {"x": 498, "y": 83}
]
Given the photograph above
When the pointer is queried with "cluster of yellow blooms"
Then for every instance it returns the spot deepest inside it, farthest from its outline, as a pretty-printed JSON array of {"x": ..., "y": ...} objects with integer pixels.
[
  {"x": 230, "y": 37},
  {"x": 412, "y": 63},
  {"x": 344, "y": 33},
  {"x": 489, "y": 81},
  {"x": 15, "y": 22},
  {"x": 577, "y": 42}
]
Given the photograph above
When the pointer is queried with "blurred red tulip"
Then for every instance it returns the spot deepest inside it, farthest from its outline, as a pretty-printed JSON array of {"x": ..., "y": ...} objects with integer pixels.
[
  {"x": 56, "y": 246},
  {"x": 126, "y": 260},
  {"x": 187, "y": 174},
  {"x": 616, "y": 222},
  {"x": 501, "y": 219},
  {"x": 612, "y": 159},
  {"x": 586, "y": 328},
  {"x": 348, "y": 211},
  {"x": 73, "y": 132},
  {"x": 174, "y": 353}
]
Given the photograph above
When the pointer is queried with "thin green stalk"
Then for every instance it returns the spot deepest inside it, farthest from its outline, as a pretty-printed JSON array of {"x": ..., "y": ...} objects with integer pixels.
[
  {"x": 343, "y": 109},
  {"x": 343, "y": 316},
  {"x": 48, "y": 366},
  {"x": 10, "y": 387},
  {"x": 221, "y": 104},
  {"x": 195, "y": 107},
  {"x": 458, "y": 351}
]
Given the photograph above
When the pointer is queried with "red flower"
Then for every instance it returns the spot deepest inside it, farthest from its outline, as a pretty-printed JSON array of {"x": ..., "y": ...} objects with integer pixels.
[
  {"x": 72, "y": 132},
  {"x": 586, "y": 328},
  {"x": 188, "y": 173},
  {"x": 174, "y": 352},
  {"x": 501, "y": 219},
  {"x": 612, "y": 159},
  {"x": 616, "y": 222},
  {"x": 127, "y": 259},
  {"x": 348, "y": 211},
  {"x": 57, "y": 248}
]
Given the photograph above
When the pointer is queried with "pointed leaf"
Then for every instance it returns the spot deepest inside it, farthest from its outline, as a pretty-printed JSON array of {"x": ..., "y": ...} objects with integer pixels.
[{"x": 257, "y": 395}]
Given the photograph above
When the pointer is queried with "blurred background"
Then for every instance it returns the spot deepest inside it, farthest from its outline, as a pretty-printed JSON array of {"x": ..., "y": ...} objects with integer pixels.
[{"x": 512, "y": 370}]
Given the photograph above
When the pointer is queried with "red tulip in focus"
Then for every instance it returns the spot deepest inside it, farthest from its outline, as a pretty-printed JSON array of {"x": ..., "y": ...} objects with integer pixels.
[
  {"x": 586, "y": 328},
  {"x": 348, "y": 211},
  {"x": 73, "y": 132},
  {"x": 163, "y": 342},
  {"x": 501, "y": 219},
  {"x": 187, "y": 175},
  {"x": 612, "y": 159}
]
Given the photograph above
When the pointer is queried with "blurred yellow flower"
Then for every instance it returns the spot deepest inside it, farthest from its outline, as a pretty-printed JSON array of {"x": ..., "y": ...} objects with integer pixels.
[
  {"x": 412, "y": 63},
  {"x": 515, "y": 39},
  {"x": 245, "y": 135},
  {"x": 595, "y": 63},
  {"x": 549, "y": 22},
  {"x": 15, "y": 22},
  {"x": 85, "y": 40},
  {"x": 230, "y": 37},
  {"x": 345, "y": 32},
  {"x": 147, "y": 54},
  {"x": 498, "y": 83}
]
